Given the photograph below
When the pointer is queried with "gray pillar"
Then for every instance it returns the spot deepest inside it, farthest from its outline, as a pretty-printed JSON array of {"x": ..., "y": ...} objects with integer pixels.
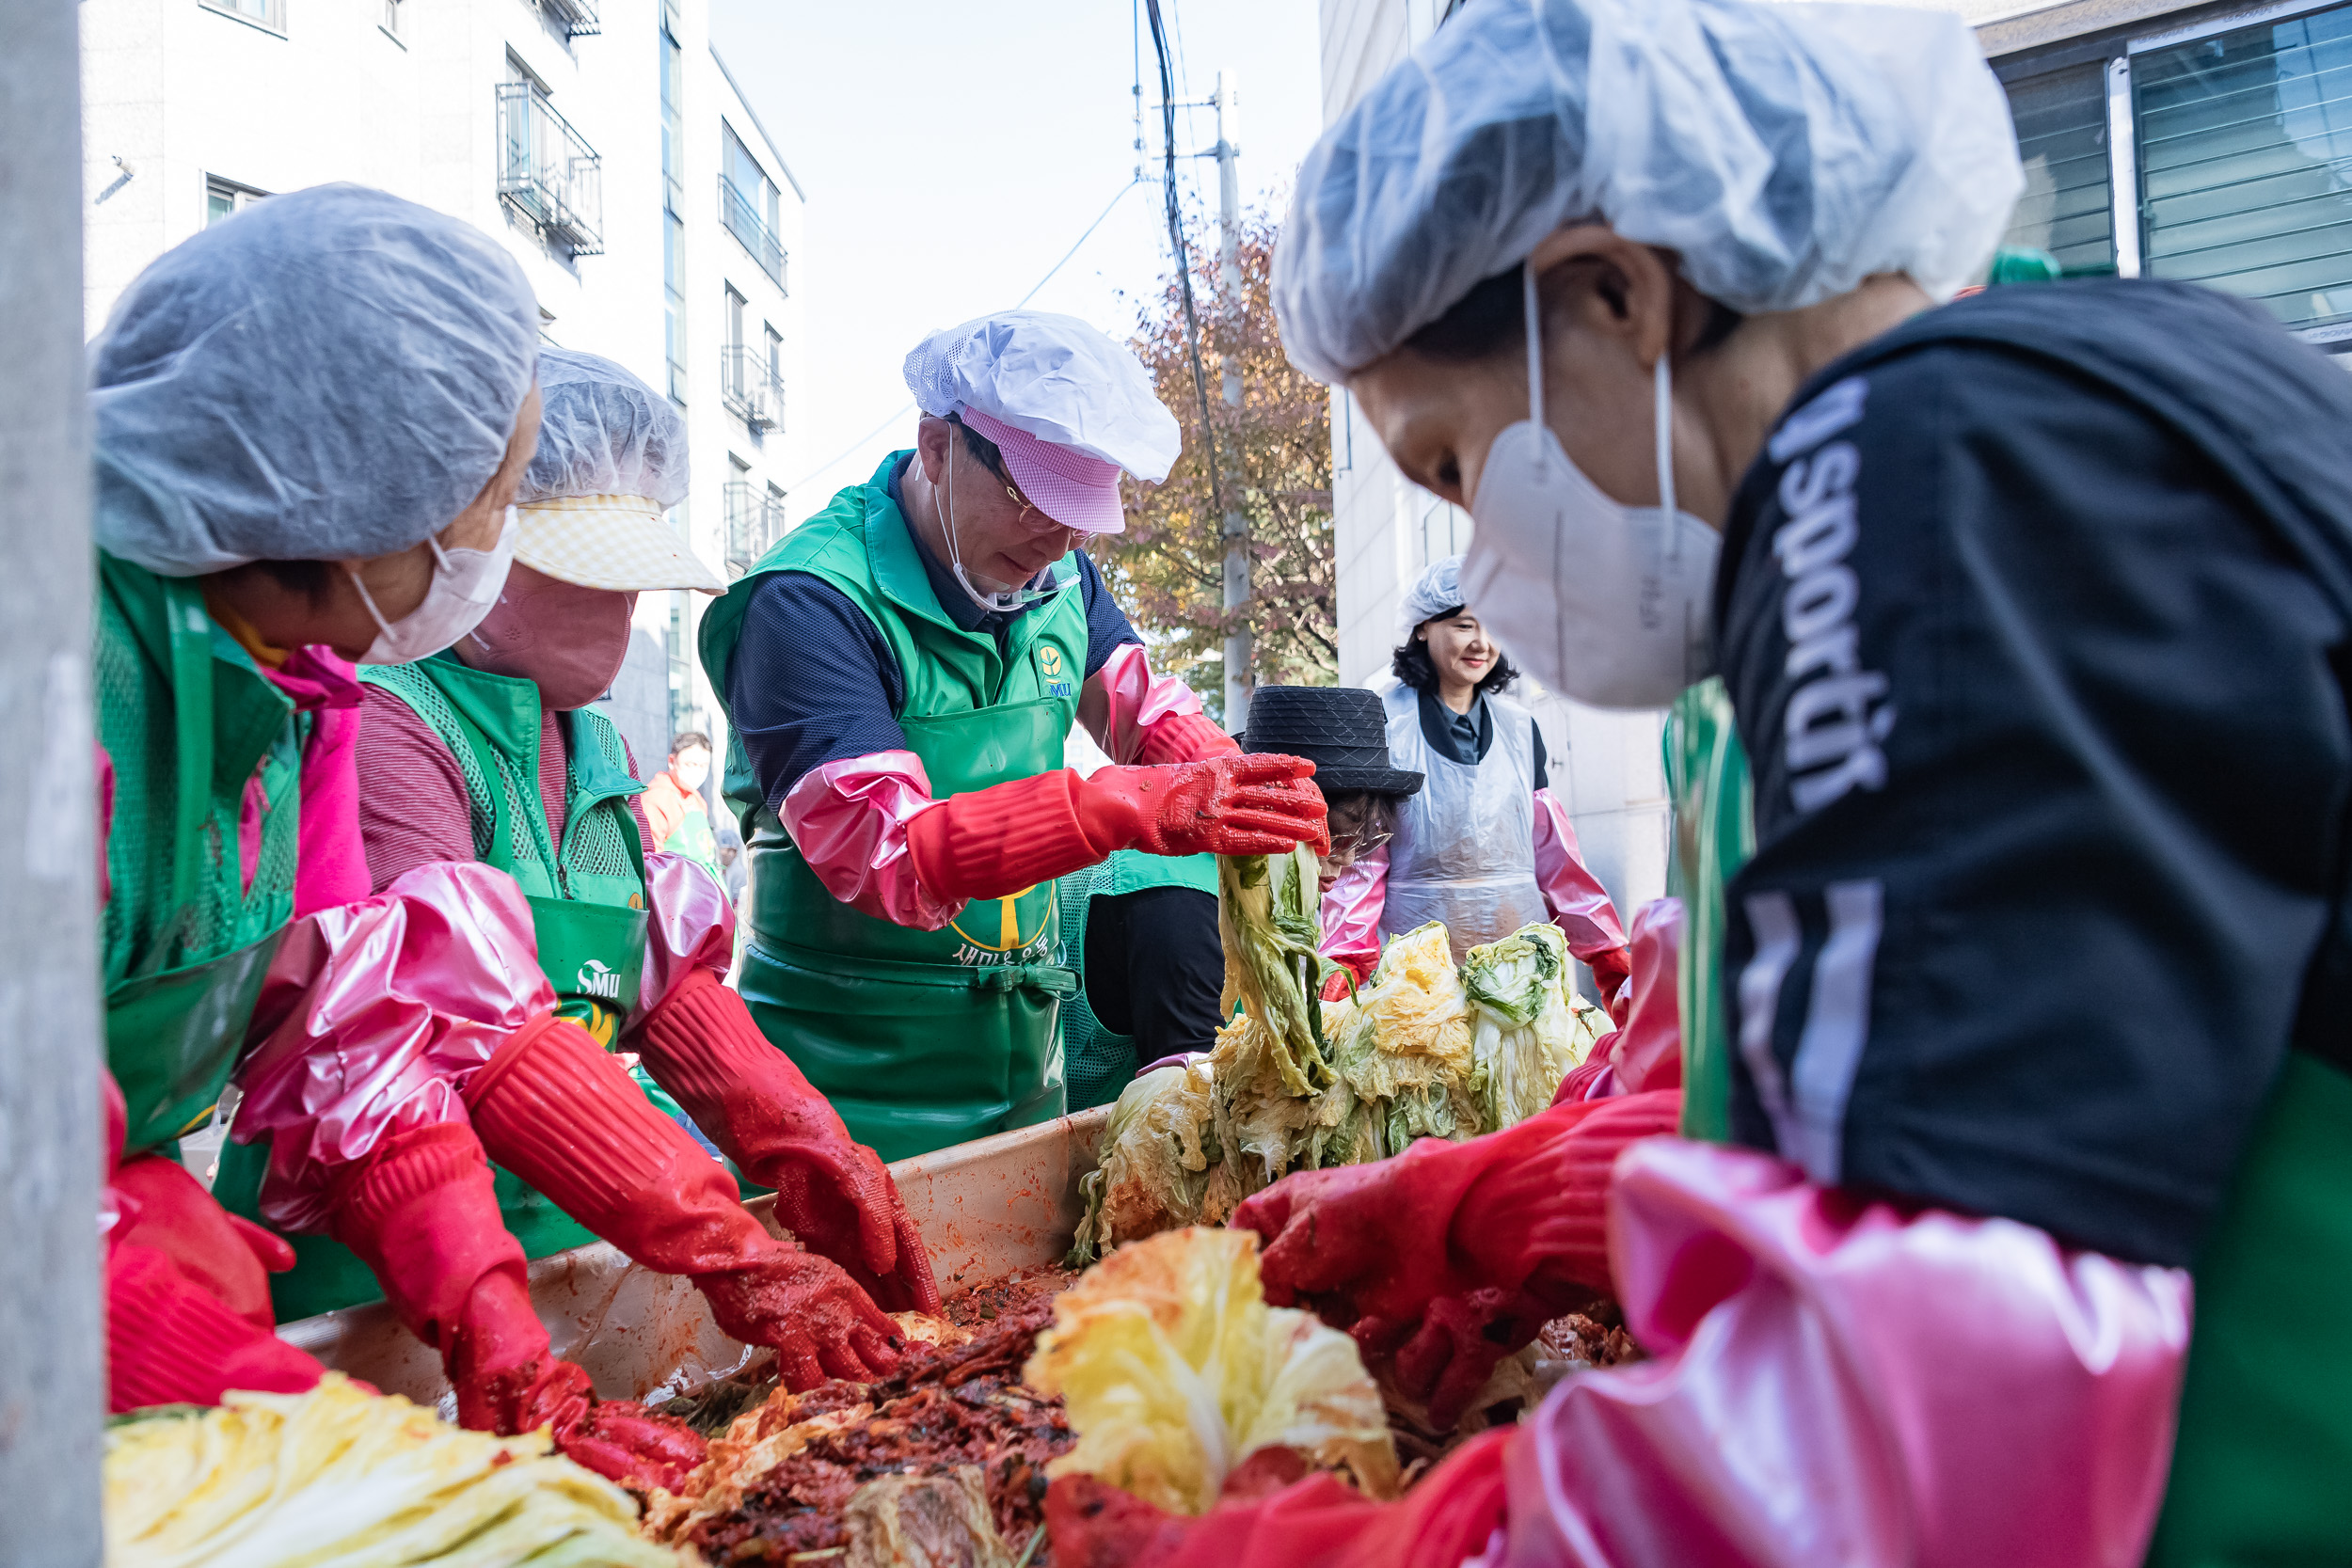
[{"x": 52, "y": 1370}]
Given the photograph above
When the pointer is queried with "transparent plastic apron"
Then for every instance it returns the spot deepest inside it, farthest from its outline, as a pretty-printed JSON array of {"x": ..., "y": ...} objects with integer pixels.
[{"x": 1465, "y": 845}]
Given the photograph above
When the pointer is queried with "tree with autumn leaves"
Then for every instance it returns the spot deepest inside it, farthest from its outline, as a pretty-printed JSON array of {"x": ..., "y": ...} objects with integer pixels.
[{"x": 1167, "y": 569}]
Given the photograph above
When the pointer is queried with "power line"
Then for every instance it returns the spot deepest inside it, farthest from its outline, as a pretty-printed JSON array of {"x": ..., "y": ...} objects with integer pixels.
[
  {"x": 900, "y": 412},
  {"x": 1176, "y": 239}
]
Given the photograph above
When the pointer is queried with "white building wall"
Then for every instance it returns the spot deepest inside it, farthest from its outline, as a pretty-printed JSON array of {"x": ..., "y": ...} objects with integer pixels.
[
  {"x": 1604, "y": 767},
  {"x": 176, "y": 92}
]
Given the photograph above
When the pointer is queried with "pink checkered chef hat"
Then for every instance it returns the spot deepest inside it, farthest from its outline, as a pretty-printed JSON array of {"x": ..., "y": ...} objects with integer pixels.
[{"x": 1067, "y": 406}]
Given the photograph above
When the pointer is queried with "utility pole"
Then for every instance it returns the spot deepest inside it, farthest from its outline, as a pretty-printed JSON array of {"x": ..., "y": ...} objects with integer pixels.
[
  {"x": 52, "y": 1392},
  {"x": 1240, "y": 658}
]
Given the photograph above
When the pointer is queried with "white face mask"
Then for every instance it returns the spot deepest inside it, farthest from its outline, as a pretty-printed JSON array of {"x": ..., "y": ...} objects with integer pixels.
[
  {"x": 1006, "y": 600},
  {"x": 465, "y": 588},
  {"x": 1605, "y": 602}
]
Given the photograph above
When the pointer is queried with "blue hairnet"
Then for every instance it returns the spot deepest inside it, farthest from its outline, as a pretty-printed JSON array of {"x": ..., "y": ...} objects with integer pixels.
[
  {"x": 1786, "y": 152},
  {"x": 328, "y": 376},
  {"x": 602, "y": 432}
]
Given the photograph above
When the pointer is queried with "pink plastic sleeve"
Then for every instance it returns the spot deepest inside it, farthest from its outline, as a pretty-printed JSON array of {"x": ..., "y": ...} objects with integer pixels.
[
  {"x": 1351, "y": 911},
  {"x": 1580, "y": 905},
  {"x": 1121, "y": 701},
  {"x": 1649, "y": 1049},
  {"x": 689, "y": 923},
  {"x": 374, "y": 1017},
  {"x": 1850, "y": 1382},
  {"x": 849, "y": 820}
]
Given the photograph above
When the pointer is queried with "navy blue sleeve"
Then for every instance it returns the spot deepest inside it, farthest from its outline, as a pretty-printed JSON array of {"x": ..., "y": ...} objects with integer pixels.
[
  {"x": 1543, "y": 774},
  {"x": 2051, "y": 770},
  {"x": 812, "y": 682},
  {"x": 1106, "y": 624}
]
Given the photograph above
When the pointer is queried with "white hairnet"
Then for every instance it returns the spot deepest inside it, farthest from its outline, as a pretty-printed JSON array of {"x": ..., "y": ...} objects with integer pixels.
[
  {"x": 602, "y": 432},
  {"x": 1054, "y": 376},
  {"x": 328, "y": 376},
  {"x": 1437, "y": 590},
  {"x": 1785, "y": 151}
]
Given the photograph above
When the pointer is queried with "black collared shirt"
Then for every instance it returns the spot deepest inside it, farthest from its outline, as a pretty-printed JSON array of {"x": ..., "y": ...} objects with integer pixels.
[{"x": 1464, "y": 737}]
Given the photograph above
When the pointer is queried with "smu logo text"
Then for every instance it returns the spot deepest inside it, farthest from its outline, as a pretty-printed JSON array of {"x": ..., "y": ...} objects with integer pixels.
[{"x": 594, "y": 979}]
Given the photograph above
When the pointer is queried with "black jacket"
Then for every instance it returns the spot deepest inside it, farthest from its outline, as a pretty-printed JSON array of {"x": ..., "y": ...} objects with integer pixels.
[{"x": 2034, "y": 615}]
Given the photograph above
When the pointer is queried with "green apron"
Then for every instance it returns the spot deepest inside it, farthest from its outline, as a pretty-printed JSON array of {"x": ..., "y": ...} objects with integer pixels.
[
  {"x": 1100, "y": 1061},
  {"x": 2264, "y": 1449},
  {"x": 188, "y": 721},
  {"x": 920, "y": 1039},
  {"x": 587, "y": 898}
]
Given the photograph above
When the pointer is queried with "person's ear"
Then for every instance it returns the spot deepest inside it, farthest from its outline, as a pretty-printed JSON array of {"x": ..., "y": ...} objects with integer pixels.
[
  {"x": 1592, "y": 282},
  {"x": 930, "y": 447}
]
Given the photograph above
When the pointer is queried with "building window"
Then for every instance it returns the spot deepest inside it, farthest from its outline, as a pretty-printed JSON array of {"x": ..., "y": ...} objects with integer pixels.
[
  {"x": 754, "y": 517},
  {"x": 572, "y": 18},
  {"x": 392, "y": 17},
  {"x": 684, "y": 711},
  {"x": 673, "y": 204},
  {"x": 2061, "y": 120},
  {"x": 262, "y": 13},
  {"x": 743, "y": 371},
  {"x": 225, "y": 198},
  {"x": 774, "y": 358},
  {"x": 2244, "y": 143},
  {"x": 2236, "y": 167},
  {"x": 548, "y": 175},
  {"x": 748, "y": 204}
]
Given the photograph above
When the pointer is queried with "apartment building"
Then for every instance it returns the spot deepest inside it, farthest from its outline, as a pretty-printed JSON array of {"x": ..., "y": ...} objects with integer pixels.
[{"x": 605, "y": 143}]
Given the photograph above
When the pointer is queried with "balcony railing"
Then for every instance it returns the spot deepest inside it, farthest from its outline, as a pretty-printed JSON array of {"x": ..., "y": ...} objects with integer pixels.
[
  {"x": 744, "y": 222},
  {"x": 550, "y": 177},
  {"x": 749, "y": 387},
  {"x": 578, "y": 18},
  {"x": 755, "y": 522}
]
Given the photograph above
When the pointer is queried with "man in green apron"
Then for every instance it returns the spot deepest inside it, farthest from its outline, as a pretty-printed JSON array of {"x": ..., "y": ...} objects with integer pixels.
[
  {"x": 2029, "y": 612},
  {"x": 490, "y": 753},
  {"x": 243, "y": 392},
  {"x": 898, "y": 674}
]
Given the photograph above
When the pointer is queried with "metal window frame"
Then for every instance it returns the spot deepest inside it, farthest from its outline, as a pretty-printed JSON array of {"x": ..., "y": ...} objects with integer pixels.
[{"x": 275, "y": 25}]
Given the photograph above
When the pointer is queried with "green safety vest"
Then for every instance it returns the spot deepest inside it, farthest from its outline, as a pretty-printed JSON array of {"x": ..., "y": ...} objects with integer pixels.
[
  {"x": 2265, "y": 1444},
  {"x": 188, "y": 720},
  {"x": 587, "y": 900},
  {"x": 1100, "y": 1061},
  {"x": 920, "y": 1039}
]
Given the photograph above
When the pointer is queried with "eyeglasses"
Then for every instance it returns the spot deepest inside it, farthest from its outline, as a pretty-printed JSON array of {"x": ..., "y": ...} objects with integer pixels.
[{"x": 1362, "y": 842}]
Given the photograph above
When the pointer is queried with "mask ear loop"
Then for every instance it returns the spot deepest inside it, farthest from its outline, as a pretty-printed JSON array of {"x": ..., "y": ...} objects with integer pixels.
[
  {"x": 1664, "y": 435},
  {"x": 1534, "y": 343}
]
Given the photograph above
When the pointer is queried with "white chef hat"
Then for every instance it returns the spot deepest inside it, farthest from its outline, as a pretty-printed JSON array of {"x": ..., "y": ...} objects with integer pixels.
[{"x": 1067, "y": 406}]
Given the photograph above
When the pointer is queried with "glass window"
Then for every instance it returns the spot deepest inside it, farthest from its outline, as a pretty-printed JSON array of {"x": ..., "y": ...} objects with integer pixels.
[
  {"x": 269, "y": 13},
  {"x": 225, "y": 198},
  {"x": 2061, "y": 120},
  {"x": 2246, "y": 164}
]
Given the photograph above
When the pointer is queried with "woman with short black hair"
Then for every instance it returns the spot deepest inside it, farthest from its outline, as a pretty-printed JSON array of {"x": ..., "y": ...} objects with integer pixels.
[{"x": 1485, "y": 848}]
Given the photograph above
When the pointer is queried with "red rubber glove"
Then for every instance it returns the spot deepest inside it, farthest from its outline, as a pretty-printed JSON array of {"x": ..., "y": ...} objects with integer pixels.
[
  {"x": 171, "y": 1341},
  {"x": 1449, "y": 1257},
  {"x": 991, "y": 843},
  {"x": 1613, "y": 971},
  {"x": 420, "y": 1210},
  {"x": 564, "y": 1117},
  {"x": 832, "y": 1193},
  {"x": 1320, "y": 1522},
  {"x": 166, "y": 1208},
  {"x": 1186, "y": 737}
]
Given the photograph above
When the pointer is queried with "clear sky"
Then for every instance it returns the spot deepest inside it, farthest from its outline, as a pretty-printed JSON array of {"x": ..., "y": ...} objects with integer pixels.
[{"x": 951, "y": 153}]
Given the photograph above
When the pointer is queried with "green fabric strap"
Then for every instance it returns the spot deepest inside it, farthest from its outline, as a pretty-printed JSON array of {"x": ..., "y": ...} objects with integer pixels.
[
  {"x": 1714, "y": 833},
  {"x": 2262, "y": 1471}
]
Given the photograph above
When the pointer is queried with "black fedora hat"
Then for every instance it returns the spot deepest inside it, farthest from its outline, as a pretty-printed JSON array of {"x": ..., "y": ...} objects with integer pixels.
[{"x": 1342, "y": 729}]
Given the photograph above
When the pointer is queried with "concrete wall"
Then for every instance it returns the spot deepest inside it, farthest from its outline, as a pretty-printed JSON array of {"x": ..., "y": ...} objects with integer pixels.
[
  {"x": 176, "y": 91},
  {"x": 1604, "y": 765}
]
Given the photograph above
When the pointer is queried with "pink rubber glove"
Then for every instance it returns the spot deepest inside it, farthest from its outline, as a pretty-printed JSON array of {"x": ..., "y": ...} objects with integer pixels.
[
  {"x": 1449, "y": 1257},
  {"x": 564, "y": 1117}
]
